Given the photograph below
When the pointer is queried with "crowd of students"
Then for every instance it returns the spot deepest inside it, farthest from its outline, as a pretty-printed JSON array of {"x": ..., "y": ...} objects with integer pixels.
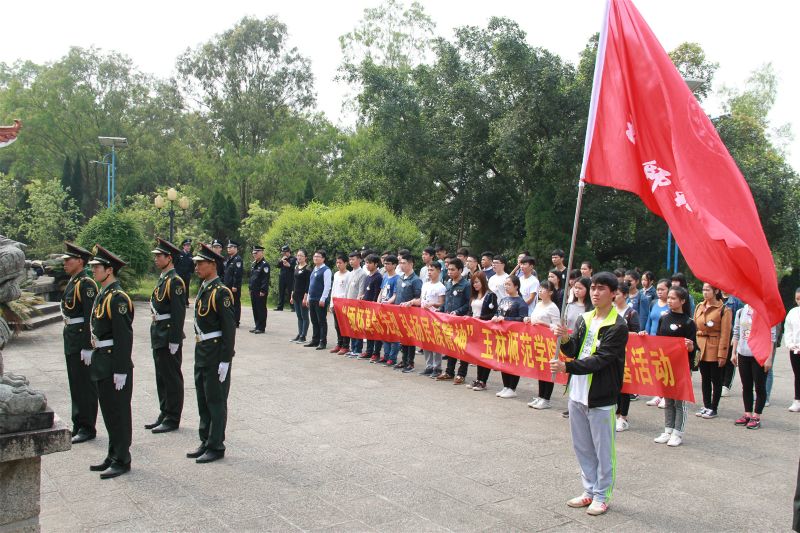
[{"x": 482, "y": 286}]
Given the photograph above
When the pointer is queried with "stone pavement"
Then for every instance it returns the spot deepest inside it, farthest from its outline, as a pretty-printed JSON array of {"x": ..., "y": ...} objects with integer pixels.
[{"x": 321, "y": 442}]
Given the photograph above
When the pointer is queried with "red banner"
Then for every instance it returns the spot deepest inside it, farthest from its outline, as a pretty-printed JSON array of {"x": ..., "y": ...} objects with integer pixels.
[{"x": 656, "y": 366}]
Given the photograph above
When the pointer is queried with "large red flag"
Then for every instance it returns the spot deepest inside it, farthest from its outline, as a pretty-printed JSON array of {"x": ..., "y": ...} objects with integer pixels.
[{"x": 648, "y": 135}]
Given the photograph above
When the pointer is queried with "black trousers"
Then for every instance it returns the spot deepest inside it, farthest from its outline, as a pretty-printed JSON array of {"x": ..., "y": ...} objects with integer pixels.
[
  {"x": 319, "y": 321},
  {"x": 169, "y": 384},
  {"x": 116, "y": 408},
  {"x": 752, "y": 374},
  {"x": 711, "y": 375},
  {"x": 408, "y": 354},
  {"x": 794, "y": 358},
  {"x": 83, "y": 393},
  {"x": 237, "y": 305},
  {"x": 212, "y": 405},
  {"x": 284, "y": 291},
  {"x": 623, "y": 403},
  {"x": 463, "y": 367},
  {"x": 259, "y": 304},
  {"x": 510, "y": 380},
  {"x": 483, "y": 374},
  {"x": 729, "y": 371},
  {"x": 186, "y": 280},
  {"x": 546, "y": 391},
  {"x": 341, "y": 341}
]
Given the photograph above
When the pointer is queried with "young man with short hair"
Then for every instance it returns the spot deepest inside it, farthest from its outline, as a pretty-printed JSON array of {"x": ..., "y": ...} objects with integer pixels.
[
  {"x": 462, "y": 253},
  {"x": 372, "y": 289},
  {"x": 317, "y": 300},
  {"x": 497, "y": 281},
  {"x": 557, "y": 258},
  {"x": 598, "y": 348},
  {"x": 409, "y": 290},
  {"x": 528, "y": 283},
  {"x": 486, "y": 264},
  {"x": 432, "y": 299},
  {"x": 387, "y": 297},
  {"x": 427, "y": 258},
  {"x": 355, "y": 291},
  {"x": 456, "y": 302},
  {"x": 341, "y": 278}
]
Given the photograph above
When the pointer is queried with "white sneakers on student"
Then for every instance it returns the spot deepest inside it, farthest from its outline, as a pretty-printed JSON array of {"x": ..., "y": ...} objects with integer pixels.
[
  {"x": 663, "y": 438},
  {"x": 795, "y": 407},
  {"x": 725, "y": 391},
  {"x": 507, "y": 393},
  {"x": 501, "y": 392},
  {"x": 622, "y": 425},
  {"x": 532, "y": 403},
  {"x": 654, "y": 401},
  {"x": 676, "y": 439}
]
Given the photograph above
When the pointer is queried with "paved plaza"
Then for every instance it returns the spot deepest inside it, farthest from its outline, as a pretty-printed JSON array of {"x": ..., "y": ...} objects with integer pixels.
[{"x": 319, "y": 442}]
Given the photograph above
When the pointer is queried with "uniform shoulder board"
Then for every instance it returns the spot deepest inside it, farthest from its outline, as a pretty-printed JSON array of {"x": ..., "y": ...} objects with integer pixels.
[
  {"x": 238, "y": 264},
  {"x": 266, "y": 268},
  {"x": 122, "y": 301},
  {"x": 180, "y": 286}
]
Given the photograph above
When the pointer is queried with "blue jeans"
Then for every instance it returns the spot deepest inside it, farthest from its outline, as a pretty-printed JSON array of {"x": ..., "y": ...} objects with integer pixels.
[
  {"x": 390, "y": 350},
  {"x": 356, "y": 345},
  {"x": 302, "y": 317}
]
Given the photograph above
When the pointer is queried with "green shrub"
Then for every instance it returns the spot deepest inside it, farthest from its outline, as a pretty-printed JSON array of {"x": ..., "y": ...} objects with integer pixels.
[
  {"x": 119, "y": 233},
  {"x": 341, "y": 228}
]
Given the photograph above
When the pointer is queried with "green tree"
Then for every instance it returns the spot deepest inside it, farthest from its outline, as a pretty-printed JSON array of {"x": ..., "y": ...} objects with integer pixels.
[
  {"x": 221, "y": 220},
  {"x": 76, "y": 182},
  {"x": 66, "y": 174},
  {"x": 248, "y": 82},
  {"x": 121, "y": 234},
  {"x": 690, "y": 60},
  {"x": 51, "y": 218},
  {"x": 256, "y": 224}
]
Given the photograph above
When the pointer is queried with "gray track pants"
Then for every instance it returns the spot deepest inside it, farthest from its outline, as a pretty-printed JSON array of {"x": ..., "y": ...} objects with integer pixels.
[{"x": 593, "y": 433}]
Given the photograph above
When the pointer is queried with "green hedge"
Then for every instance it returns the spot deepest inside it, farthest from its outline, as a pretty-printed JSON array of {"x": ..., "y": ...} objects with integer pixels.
[
  {"x": 341, "y": 228},
  {"x": 119, "y": 233}
]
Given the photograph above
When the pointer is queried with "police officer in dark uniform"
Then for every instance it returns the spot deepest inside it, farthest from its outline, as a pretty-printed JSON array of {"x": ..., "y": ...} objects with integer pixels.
[
  {"x": 259, "y": 289},
  {"x": 76, "y": 308},
  {"x": 217, "y": 247},
  {"x": 184, "y": 266},
  {"x": 166, "y": 337},
  {"x": 234, "y": 272},
  {"x": 111, "y": 363},
  {"x": 286, "y": 265},
  {"x": 215, "y": 335}
]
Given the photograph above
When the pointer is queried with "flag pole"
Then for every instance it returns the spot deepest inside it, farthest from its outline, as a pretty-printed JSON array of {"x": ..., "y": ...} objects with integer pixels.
[{"x": 598, "y": 76}]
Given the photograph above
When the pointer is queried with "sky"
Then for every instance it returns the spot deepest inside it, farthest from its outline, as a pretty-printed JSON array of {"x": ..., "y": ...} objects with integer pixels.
[{"x": 740, "y": 35}]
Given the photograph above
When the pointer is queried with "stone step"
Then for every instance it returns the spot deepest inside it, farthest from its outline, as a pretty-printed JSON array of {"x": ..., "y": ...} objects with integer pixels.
[
  {"x": 48, "y": 308},
  {"x": 42, "y": 320}
]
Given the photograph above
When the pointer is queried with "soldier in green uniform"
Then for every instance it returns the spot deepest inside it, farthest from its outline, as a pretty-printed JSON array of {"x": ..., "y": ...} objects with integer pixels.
[
  {"x": 76, "y": 308},
  {"x": 111, "y": 364},
  {"x": 167, "y": 307},
  {"x": 215, "y": 334}
]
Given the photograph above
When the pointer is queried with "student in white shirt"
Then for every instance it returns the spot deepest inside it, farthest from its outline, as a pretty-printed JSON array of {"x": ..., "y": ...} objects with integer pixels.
[
  {"x": 341, "y": 280},
  {"x": 497, "y": 281},
  {"x": 546, "y": 314},
  {"x": 528, "y": 282},
  {"x": 432, "y": 298}
]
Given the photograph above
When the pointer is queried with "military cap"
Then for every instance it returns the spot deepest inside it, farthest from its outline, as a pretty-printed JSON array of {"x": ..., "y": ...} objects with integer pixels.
[
  {"x": 166, "y": 248},
  {"x": 186, "y": 241},
  {"x": 285, "y": 248},
  {"x": 231, "y": 242},
  {"x": 106, "y": 258},
  {"x": 205, "y": 253},
  {"x": 258, "y": 248},
  {"x": 73, "y": 250},
  {"x": 216, "y": 242}
]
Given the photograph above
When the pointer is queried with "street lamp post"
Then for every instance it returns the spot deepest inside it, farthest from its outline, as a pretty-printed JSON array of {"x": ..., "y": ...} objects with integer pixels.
[
  {"x": 172, "y": 195},
  {"x": 110, "y": 162}
]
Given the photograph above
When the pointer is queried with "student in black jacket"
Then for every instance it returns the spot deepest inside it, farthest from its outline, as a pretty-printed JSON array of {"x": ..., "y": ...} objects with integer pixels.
[
  {"x": 598, "y": 347},
  {"x": 677, "y": 323}
]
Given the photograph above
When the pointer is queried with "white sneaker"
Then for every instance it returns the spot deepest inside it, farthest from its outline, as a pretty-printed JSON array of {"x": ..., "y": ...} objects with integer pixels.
[
  {"x": 532, "y": 403},
  {"x": 597, "y": 508},
  {"x": 509, "y": 393},
  {"x": 795, "y": 407},
  {"x": 766, "y": 404},
  {"x": 662, "y": 403},
  {"x": 675, "y": 439},
  {"x": 663, "y": 438},
  {"x": 542, "y": 404},
  {"x": 654, "y": 401},
  {"x": 725, "y": 391},
  {"x": 502, "y": 391},
  {"x": 622, "y": 425},
  {"x": 701, "y": 412}
]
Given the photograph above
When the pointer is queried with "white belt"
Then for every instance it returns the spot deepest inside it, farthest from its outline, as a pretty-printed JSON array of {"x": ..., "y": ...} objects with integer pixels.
[
  {"x": 103, "y": 344},
  {"x": 158, "y": 318},
  {"x": 76, "y": 320},
  {"x": 200, "y": 337}
]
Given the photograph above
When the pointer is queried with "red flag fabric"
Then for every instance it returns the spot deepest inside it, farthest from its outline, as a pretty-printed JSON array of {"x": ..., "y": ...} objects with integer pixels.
[{"x": 648, "y": 135}]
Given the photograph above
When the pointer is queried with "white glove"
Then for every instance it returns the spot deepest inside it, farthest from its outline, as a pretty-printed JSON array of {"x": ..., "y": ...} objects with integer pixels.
[
  {"x": 223, "y": 371},
  {"x": 119, "y": 381},
  {"x": 173, "y": 348},
  {"x": 86, "y": 357}
]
